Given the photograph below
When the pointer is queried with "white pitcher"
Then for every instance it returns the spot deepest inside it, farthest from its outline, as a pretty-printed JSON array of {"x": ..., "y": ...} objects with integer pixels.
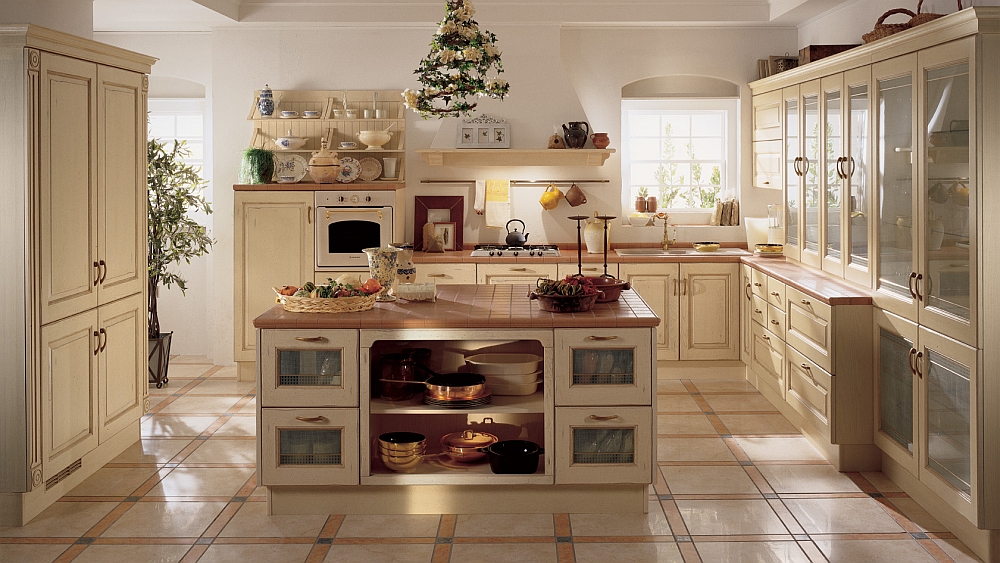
[{"x": 593, "y": 235}]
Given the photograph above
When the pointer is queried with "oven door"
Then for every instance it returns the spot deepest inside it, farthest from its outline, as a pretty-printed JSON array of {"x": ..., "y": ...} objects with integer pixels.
[{"x": 343, "y": 232}]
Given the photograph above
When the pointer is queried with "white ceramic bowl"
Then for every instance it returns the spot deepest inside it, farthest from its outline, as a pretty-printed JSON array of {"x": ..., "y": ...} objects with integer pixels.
[
  {"x": 374, "y": 139},
  {"x": 311, "y": 113},
  {"x": 514, "y": 379},
  {"x": 638, "y": 220},
  {"x": 290, "y": 143},
  {"x": 504, "y": 364},
  {"x": 289, "y": 113},
  {"x": 348, "y": 145},
  {"x": 514, "y": 389}
]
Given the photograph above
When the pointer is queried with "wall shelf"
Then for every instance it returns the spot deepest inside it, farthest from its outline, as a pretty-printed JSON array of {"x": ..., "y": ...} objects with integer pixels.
[{"x": 515, "y": 157}]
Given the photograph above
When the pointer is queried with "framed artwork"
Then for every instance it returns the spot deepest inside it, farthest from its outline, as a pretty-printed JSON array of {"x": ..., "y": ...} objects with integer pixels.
[
  {"x": 483, "y": 132},
  {"x": 447, "y": 232},
  {"x": 442, "y": 209}
]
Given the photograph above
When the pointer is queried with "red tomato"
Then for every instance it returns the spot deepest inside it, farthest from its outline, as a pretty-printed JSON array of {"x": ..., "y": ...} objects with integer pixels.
[{"x": 371, "y": 286}]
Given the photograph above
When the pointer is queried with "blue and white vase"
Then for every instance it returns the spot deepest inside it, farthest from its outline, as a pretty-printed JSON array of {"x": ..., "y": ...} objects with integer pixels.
[
  {"x": 266, "y": 103},
  {"x": 406, "y": 272},
  {"x": 382, "y": 266}
]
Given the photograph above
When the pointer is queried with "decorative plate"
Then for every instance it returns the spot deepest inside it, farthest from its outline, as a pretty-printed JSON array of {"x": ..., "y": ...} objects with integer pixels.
[
  {"x": 350, "y": 171},
  {"x": 289, "y": 165},
  {"x": 371, "y": 169}
]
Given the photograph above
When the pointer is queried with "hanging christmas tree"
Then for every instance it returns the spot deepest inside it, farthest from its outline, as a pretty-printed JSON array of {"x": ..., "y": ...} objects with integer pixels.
[{"x": 458, "y": 66}]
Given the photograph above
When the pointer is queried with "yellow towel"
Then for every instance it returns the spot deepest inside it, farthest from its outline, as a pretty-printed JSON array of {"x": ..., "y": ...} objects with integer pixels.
[{"x": 497, "y": 203}]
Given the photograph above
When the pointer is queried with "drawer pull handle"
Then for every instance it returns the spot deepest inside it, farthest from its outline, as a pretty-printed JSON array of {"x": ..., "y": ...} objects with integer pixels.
[
  {"x": 916, "y": 286},
  {"x": 436, "y": 275},
  {"x": 104, "y": 270},
  {"x": 806, "y": 302},
  {"x": 758, "y": 284},
  {"x": 776, "y": 294},
  {"x": 774, "y": 322},
  {"x": 104, "y": 339},
  {"x": 804, "y": 366},
  {"x": 97, "y": 279},
  {"x": 909, "y": 284},
  {"x": 758, "y": 311},
  {"x": 97, "y": 336},
  {"x": 311, "y": 418},
  {"x": 602, "y": 338},
  {"x": 519, "y": 269},
  {"x": 311, "y": 338},
  {"x": 590, "y": 269},
  {"x": 608, "y": 417},
  {"x": 766, "y": 337}
]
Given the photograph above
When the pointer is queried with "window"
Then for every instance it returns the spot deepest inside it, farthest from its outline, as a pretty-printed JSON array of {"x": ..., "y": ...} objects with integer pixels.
[
  {"x": 681, "y": 151},
  {"x": 183, "y": 120}
]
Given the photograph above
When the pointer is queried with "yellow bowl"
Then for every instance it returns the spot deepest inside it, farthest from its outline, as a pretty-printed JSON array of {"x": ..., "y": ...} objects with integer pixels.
[
  {"x": 706, "y": 246},
  {"x": 769, "y": 248}
]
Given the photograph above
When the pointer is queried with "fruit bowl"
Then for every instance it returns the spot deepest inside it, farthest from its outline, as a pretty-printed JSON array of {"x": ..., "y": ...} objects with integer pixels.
[
  {"x": 565, "y": 303},
  {"x": 611, "y": 288},
  {"x": 374, "y": 139},
  {"x": 706, "y": 246}
]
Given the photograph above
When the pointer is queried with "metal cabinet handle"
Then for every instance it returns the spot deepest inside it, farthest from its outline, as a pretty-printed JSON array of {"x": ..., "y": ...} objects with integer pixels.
[
  {"x": 104, "y": 339},
  {"x": 309, "y": 214},
  {"x": 608, "y": 417},
  {"x": 675, "y": 286},
  {"x": 311, "y": 418},
  {"x": 684, "y": 287},
  {"x": 920, "y": 355},
  {"x": 805, "y": 302},
  {"x": 916, "y": 286},
  {"x": 840, "y": 170},
  {"x": 758, "y": 284},
  {"x": 311, "y": 338},
  {"x": 796, "y": 167},
  {"x": 602, "y": 338},
  {"x": 519, "y": 269},
  {"x": 746, "y": 291},
  {"x": 774, "y": 322},
  {"x": 909, "y": 284},
  {"x": 104, "y": 270},
  {"x": 766, "y": 183},
  {"x": 776, "y": 294},
  {"x": 850, "y": 169},
  {"x": 97, "y": 279},
  {"x": 766, "y": 337},
  {"x": 758, "y": 311},
  {"x": 590, "y": 269},
  {"x": 435, "y": 275},
  {"x": 97, "y": 335},
  {"x": 341, "y": 210},
  {"x": 805, "y": 366},
  {"x": 909, "y": 360}
]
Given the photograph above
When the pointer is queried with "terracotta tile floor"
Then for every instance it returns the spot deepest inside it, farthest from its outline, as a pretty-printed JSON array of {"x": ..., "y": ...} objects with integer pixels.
[{"x": 736, "y": 483}]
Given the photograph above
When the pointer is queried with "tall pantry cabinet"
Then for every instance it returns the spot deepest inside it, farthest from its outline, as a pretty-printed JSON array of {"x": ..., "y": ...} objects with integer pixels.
[{"x": 73, "y": 225}]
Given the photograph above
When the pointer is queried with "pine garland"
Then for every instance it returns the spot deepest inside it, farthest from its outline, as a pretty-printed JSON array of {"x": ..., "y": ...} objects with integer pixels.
[{"x": 457, "y": 67}]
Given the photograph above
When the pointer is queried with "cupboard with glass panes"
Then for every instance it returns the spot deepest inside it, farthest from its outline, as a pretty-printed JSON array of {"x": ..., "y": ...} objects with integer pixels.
[{"x": 890, "y": 182}]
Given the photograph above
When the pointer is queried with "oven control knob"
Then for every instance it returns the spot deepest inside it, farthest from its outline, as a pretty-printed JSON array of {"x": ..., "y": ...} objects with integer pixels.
[
  {"x": 491, "y": 253},
  {"x": 368, "y": 199},
  {"x": 499, "y": 252},
  {"x": 515, "y": 253},
  {"x": 355, "y": 199},
  {"x": 531, "y": 253},
  {"x": 341, "y": 199}
]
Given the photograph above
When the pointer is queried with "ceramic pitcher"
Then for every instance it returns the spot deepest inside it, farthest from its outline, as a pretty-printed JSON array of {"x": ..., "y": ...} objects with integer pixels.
[
  {"x": 382, "y": 266},
  {"x": 593, "y": 235},
  {"x": 406, "y": 271},
  {"x": 576, "y": 134}
]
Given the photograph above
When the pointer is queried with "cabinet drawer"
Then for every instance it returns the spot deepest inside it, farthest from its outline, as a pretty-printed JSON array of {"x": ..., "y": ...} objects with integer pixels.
[
  {"x": 308, "y": 447},
  {"x": 604, "y": 445},
  {"x": 808, "y": 327},
  {"x": 776, "y": 293},
  {"x": 604, "y": 366},
  {"x": 758, "y": 280},
  {"x": 758, "y": 310},
  {"x": 776, "y": 320},
  {"x": 309, "y": 368},
  {"x": 589, "y": 270},
  {"x": 810, "y": 391},
  {"x": 767, "y": 358},
  {"x": 513, "y": 273},
  {"x": 446, "y": 273}
]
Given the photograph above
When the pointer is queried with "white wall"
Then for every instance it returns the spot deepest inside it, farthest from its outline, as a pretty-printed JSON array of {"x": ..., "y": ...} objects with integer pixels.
[
  {"x": 848, "y": 22},
  {"x": 68, "y": 16}
]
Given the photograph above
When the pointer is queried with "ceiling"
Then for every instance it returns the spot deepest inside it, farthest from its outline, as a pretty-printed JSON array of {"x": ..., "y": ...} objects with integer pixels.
[{"x": 203, "y": 15}]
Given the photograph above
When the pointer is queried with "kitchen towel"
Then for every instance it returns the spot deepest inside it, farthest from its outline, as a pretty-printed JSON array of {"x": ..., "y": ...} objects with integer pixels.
[{"x": 493, "y": 200}]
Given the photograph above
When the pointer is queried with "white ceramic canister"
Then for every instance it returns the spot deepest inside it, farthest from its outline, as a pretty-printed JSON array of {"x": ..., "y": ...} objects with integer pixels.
[{"x": 593, "y": 235}]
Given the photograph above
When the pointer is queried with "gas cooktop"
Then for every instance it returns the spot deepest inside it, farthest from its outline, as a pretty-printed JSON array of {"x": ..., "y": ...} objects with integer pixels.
[{"x": 529, "y": 250}]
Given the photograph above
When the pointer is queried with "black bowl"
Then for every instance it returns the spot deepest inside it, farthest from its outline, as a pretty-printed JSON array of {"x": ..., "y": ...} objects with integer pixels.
[{"x": 514, "y": 457}]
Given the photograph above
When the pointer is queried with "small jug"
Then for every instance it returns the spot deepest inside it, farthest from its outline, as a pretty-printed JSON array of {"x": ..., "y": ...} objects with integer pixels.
[
  {"x": 550, "y": 197},
  {"x": 600, "y": 140},
  {"x": 576, "y": 134},
  {"x": 575, "y": 196}
]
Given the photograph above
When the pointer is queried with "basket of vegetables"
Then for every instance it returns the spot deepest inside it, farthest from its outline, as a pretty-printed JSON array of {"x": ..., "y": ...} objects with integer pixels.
[
  {"x": 332, "y": 298},
  {"x": 571, "y": 295}
]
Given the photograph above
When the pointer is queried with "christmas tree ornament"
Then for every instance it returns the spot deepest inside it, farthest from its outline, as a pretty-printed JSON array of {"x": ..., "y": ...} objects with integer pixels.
[{"x": 463, "y": 62}]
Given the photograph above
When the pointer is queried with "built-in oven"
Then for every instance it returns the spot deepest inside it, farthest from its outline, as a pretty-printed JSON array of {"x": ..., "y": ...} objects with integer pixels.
[{"x": 348, "y": 222}]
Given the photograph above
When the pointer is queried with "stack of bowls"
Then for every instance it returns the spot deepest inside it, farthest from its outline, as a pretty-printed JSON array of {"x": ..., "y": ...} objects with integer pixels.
[
  {"x": 402, "y": 452},
  {"x": 508, "y": 374}
]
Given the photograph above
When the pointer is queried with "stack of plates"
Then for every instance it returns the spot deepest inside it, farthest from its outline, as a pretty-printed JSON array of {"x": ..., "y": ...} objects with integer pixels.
[
  {"x": 460, "y": 403},
  {"x": 508, "y": 374}
]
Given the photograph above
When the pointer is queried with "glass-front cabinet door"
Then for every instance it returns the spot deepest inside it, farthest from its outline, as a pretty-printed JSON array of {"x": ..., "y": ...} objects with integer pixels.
[
  {"x": 309, "y": 368},
  {"x": 855, "y": 169},
  {"x": 896, "y": 388},
  {"x": 309, "y": 447},
  {"x": 603, "y": 444},
  {"x": 812, "y": 168},
  {"x": 793, "y": 172},
  {"x": 895, "y": 141},
  {"x": 831, "y": 175},
  {"x": 603, "y": 366},
  {"x": 947, "y": 268}
]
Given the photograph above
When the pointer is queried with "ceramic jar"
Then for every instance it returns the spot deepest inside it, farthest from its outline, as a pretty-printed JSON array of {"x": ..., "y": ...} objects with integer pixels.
[
  {"x": 324, "y": 166},
  {"x": 593, "y": 235},
  {"x": 382, "y": 267},
  {"x": 406, "y": 271},
  {"x": 600, "y": 140},
  {"x": 651, "y": 204},
  {"x": 265, "y": 105},
  {"x": 576, "y": 134},
  {"x": 640, "y": 204}
]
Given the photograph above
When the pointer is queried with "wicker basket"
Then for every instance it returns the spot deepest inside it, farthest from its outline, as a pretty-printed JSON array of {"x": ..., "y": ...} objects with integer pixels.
[
  {"x": 886, "y": 29},
  {"x": 924, "y": 18},
  {"x": 294, "y": 304}
]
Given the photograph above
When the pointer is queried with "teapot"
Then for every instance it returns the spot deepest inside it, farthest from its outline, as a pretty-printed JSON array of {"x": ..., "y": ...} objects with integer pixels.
[
  {"x": 593, "y": 234},
  {"x": 550, "y": 197},
  {"x": 576, "y": 134},
  {"x": 516, "y": 238}
]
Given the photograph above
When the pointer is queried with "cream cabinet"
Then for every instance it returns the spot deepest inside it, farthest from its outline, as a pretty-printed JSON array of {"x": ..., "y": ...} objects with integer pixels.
[
  {"x": 603, "y": 445},
  {"x": 589, "y": 270},
  {"x": 513, "y": 273},
  {"x": 767, "y": 141},
  {"x": 309, "y": 368},
  {"x": 698, "y": 305},
  {"x": 308, "y": 446},
  {"x": 602, "y": 367},
  {"x": 73, "y": 224},
  {"x": 274, "y": 241},
  {"x": 446, "y": 273}
]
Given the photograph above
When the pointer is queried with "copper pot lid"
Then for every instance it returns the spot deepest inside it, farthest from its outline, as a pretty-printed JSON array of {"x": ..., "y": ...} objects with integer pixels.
[{"x": 468, "y": 439}]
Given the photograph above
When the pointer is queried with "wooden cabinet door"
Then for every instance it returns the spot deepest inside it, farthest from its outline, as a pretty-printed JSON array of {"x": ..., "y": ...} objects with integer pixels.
[
  {"x": 121, "y": 182},
  {"x": 273, "y": 247},
  {"x": 513, "y": 273},
  {"x": 309, "y": 447},
  {"x": 309, "y": 368},
  {"x": 896, "y": 407},
  {"x": 602, "y": 366},
  {"x": 657, "y": 284},
  {"x": 122, "y": 364},
  {"x": 67, "y": 215},
  {"x": 746, "y": 305},
  {"x": 68, "y": 364},
  {"x": 604, "y": 445},
  {"x": 709, "y": 312}
]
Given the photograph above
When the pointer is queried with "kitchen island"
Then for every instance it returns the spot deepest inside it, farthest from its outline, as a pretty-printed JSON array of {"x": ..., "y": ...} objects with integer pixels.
[{"x": 321, "y": 406}]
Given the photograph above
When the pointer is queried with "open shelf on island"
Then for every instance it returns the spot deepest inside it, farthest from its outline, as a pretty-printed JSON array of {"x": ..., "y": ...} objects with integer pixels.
[
  {"x": 443, "y": 470},
  {"x": 515, "y": 157},
  {"x": 533, "y": 403}
]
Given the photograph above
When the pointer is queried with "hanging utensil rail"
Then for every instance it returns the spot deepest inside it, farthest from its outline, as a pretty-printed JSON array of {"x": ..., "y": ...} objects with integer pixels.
[{"x": 522, "y": 182}]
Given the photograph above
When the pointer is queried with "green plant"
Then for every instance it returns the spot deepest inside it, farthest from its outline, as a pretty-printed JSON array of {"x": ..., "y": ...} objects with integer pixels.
[
  {"x": 257, "y": 166},
  {"x": 175, "y": 189},
  {"x": 643, "y": 192}
]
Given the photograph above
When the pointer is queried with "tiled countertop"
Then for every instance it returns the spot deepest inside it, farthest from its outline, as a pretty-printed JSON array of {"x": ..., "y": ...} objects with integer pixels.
[
  {"x": 471, "y": 306},
  {"x": 567, "y": 256},
  {"x": 814, "y": 283}
]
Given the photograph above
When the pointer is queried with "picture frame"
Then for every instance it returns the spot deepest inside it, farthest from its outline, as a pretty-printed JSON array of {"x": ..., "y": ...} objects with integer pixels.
[
  {"x": 453, "y": 205},
  {"x": 483, "y": 132},
  {"x": 447, "y": 232}
]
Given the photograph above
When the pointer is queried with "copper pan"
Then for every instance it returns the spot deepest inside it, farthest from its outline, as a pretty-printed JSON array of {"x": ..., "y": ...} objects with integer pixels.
[{"x": 451, "y": 386}]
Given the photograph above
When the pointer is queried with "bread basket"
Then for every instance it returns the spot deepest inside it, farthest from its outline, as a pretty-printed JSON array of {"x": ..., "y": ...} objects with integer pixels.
[
  {"x": 294, "y": 304},
  {"x": 926, "y": 17},
  {"x": 883, "y": 29}
]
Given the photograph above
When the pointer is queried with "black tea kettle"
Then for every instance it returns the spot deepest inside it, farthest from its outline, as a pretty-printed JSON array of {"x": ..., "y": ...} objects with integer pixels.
[{"x": 516, "y": 238}]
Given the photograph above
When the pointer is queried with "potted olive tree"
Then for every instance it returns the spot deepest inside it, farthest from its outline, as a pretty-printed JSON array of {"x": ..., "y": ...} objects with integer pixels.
[{"x": 175, "y": 190}]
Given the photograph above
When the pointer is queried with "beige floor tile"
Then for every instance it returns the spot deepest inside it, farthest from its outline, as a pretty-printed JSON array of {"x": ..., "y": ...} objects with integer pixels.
[
  {"x": 225, "y": 372},
  {"x": 958, "y": 551},
  {"x": 152, "y": 450},
  {"x": 729, "y": 517},
  {"x": 396, "y": 553},
  {"x": 724, "y": 386},
  {"x": 670, "y": 386},
  {"x": 280, "y": 553},
  {"x": 213, "y": 386},
  {"x": 770, "y": 552},
  {"x": 654, "y": 523},
  {"x": 202, "y": 481},
  {"x": 215, "y": 450},
  {"x": 185, "y": 371},
  {"x": 252, "y": 521},
  {"x": 389, "y": 526},
  {"x": 684, "y": 424},
  {"x": 251, "y": 407},
  {"x": 918, "y": 515},
  {"x": 27, "y": 553},
  {"x": 197, "y": 404},
  {"x": 173, "y": 425},
  {"x": 504, "y": 552},
  {"x": 165, "y": 519},
  {"x": 739, "y": 403},
  {"x": 881, "y": 482},
  {"x": 666, "y": 552},
  {"x": 61, "y": 520},
  {"x": 676, "y": 403},
  {"x": 757, "y": 424},
  {"x": 189, "y": 359},
  {"x": 113, "y": 481},
  {"x": 155, "y": 400},
  {"x": 133, "y": 553},
  {"x": 842, "y": 516},
  {"x": 807, "y": 479},
  {"x": 238, "y": 426},
  {"x": 693, "y": 449},
  {"x": 504, "y": 525},
  {"x": 779, "y": 449},
  {"x": 708, "y": 480},
  {"x": 874, "y": 551}
]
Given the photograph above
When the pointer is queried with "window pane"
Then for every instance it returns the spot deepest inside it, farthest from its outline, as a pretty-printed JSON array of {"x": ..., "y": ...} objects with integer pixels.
[
  {"x": 161, "y": 126},
  {"x": 646, "y": 149},
  {"x": 643, "y": 125},
  {"x": 706, "y": 149},
  {"x": 679, "y": 125},
  {"x": 707, "y": 125},
  {"x": 644, "y": 174},
  {"x": 190, "y": 126}
]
